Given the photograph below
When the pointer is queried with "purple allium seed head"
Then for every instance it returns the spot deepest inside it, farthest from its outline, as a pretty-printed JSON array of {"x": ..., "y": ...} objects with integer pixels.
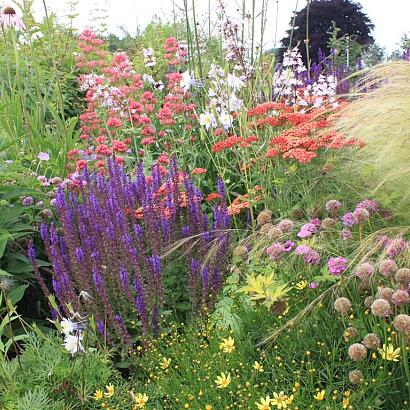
[
  {"x": 402, "y": 323},
  {"x": 286, "y": 225},
  {"x": 381, "y": 308},
  {"x": 384, "y": 293},
  {"x": 351, "y": 333},
  {"x": 362, "y": 215},
  {"x": 337, "y": 265},
  {"x": 342, "y": 305},
  {"x": 264, "y": 217},
  {"x": 349, "y": 219},
  {"x": 332, "y": 207},
  {"x": 364, "y": 270},
  {"x": 370, "y": 205},
  {"x": 387, "y": 267},
  {"x": 266, "y": 228},
  {"x": 355, "y": 376},
  {"x": 357, "y": 352},
  {"x": 328, "y": 223},
  {"x": 402, "y": 276},
  {"x": 312, "y": 257},
  {"x": 395, "y": 247},
  {"x": 240, "y": 251},
  {"x": 400, "y": 298},
  {"x": 368, "y": 301},
  {"x": 274, "y": 233},
  {"x": 371, "y": 341},
  {"x": 275, "y": 251}
]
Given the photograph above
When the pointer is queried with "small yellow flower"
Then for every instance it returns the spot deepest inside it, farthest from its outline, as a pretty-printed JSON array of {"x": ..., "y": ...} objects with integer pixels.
[
  {"x": 165, "y": 363},
  {"x": 223, "y": 380},
  {"x": 388, "y": 353},
  {"x": 110, "y": 390},
  {"x": 320, "y": 395},
  {"x": 227, "y": 345},
  {"x": 98, "y": 395},
  {"x": 141, "y": 400},
  {"x": 301, "y": 285},
  {"x": 264, "y": 404},
  {"x": 345, "y": 403},
  {"x": 281, "y": 400},
  {"x": 257, "y": 366},
  {"x": 208, "y": 407}
]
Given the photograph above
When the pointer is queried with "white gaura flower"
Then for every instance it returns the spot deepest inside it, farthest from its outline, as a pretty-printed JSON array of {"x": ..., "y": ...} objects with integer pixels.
[
  {"x": 73, "y": 344},
  {"x": 207, "y": 120},
  {"x": 235, "y": 82},
  {"x": 226, "y": 120},
  {"x": 67, "y": 326}
]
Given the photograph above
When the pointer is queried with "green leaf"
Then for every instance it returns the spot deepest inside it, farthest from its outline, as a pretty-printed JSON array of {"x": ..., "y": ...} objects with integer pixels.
[{"x": 17, "y": 293}]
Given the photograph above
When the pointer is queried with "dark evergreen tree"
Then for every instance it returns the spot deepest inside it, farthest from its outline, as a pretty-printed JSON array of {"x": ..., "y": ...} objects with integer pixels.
[{"x": 346, "y": 14}]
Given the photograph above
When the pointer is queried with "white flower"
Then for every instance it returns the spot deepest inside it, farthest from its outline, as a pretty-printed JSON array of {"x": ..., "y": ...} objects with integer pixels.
[
  {"x": 187, "y": 81},
  {"x": 226, "y": 120},
  {"x": 67, "y": 326},
  {"x": 207, "y": 120},
  {"x": 73, "y": 343},
  {"x": 235, "y": 82}
]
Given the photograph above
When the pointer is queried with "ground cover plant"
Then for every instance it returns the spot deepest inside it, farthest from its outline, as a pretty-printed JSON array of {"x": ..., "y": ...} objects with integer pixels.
[{"x": 191, "y": 221}]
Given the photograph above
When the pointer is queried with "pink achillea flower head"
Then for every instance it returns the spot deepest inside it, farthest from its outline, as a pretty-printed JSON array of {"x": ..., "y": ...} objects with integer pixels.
[
  {"x": 337, "y": 265},
  {"x": 9, "y": 18}
]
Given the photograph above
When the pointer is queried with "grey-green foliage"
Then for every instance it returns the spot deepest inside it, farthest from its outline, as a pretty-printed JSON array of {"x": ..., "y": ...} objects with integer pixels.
[{"x": 48, "y": 372}]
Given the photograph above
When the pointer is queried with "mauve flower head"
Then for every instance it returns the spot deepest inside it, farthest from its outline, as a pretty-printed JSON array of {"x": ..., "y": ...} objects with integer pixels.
[
  {"x": 43, "y": 156},
  {"x": 337, "y": 265},
  {"x": 275, "y": 251},
  {"x": 369, "y": 204},
  {"x": 349, "y": 219},
  {"x": 313, "y": 285},
  {"x": 288, "y": 246},
  {"x": 387, "y": 267},
  {"x": 395, "y": 247},
  {"x": 346, "y": 234},
  {"x": 302, "y": 249},
  {"x": 316, "y": 222},
  {"x": 365, "y": 270},
  {"x": 307, "y": 230},
  {"x": 27, "y": 201},
  {"x": 312, "y": 257},
  {"x": 333, "y": 206}
]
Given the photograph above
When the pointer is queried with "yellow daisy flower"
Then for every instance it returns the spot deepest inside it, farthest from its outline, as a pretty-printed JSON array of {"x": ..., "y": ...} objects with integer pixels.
[
  {"x": 257, "y": 366},
  {"x": 227, "y": 345},
  {"x": 110, "y": 390},
  {"x": 389, "y": 353},
  {"x": 301, "y": 285},
  {"x": 141, "y": 400},
  {"x": 320, "y": 395},
  {"x": 281, "y": 400},
  {"x": 165, "y": 363},
  {"x": 264, "y": 404},
  {"x": 223, "y": 380},
  {"x": 98, "y": 395},
  {"x": 345, "y": 403}
]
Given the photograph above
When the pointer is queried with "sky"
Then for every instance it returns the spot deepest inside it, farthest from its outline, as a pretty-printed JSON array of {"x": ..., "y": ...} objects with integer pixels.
[{"x": 391, "y": 18}]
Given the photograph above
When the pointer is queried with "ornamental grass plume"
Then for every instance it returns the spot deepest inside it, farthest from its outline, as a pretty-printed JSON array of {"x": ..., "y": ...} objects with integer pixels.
[
  {"x": 116, "y": 237},
  {"x": 381, "y": 118}
]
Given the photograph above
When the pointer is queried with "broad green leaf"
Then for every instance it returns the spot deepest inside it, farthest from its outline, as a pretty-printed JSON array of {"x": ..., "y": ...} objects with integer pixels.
[{"x": 17, "y": 293}]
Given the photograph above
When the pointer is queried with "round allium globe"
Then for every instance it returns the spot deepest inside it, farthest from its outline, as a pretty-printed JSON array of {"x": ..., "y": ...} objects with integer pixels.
[
  {"x": 264, "y": 217},
  {"x": 371, "y": 341},
  {"x": 364, "y": 286},
  {"x": 357, "y": 352},
  {"x": 286, "y": 225},
  {"x": 337, "y": 265},
  {"x": 402, "y": 276},
  {"x": 351, "y": 333},
  {"x": 402, "y": 323},
  {"x": 361, "y": 215},
  {"x": 307, "y": 230},
  {"x": 302, "y": 249},
  {"x": 328, "y": 223},
  {"x": 400, "y": 298},
  {"x": 346, "y": 234},
  {"x": 381, "y": 308},
  {"x": 395, "y": 247},
  {"x": 275, "y": 251},
  {"x": 348, "y": 219},
  {"x": 240, "y": 251},
  {"x": 387, "y": 267},
  {"x": 332, "y": 207},
  {"x": 384, "y": 293},
  {"x": 364, "y": 270},
  {"x": 274, "y": 233},
  {"x": 355, "y": 376},
  {"x": 368, "y": 301},
  {"x": 342, "y": 305},
  {"x": 266, "y": 228},
  {"x": 312, "y": 257}
]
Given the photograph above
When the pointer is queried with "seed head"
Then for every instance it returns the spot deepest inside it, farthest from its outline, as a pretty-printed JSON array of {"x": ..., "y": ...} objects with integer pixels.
[
  {"x": 342, "y": 305},
  {"x": 381, "y": 308},
  {"x": 402, "y": 323},
  {"x": 371, "y": 341},
  {"x": 357, "y": 352}
]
